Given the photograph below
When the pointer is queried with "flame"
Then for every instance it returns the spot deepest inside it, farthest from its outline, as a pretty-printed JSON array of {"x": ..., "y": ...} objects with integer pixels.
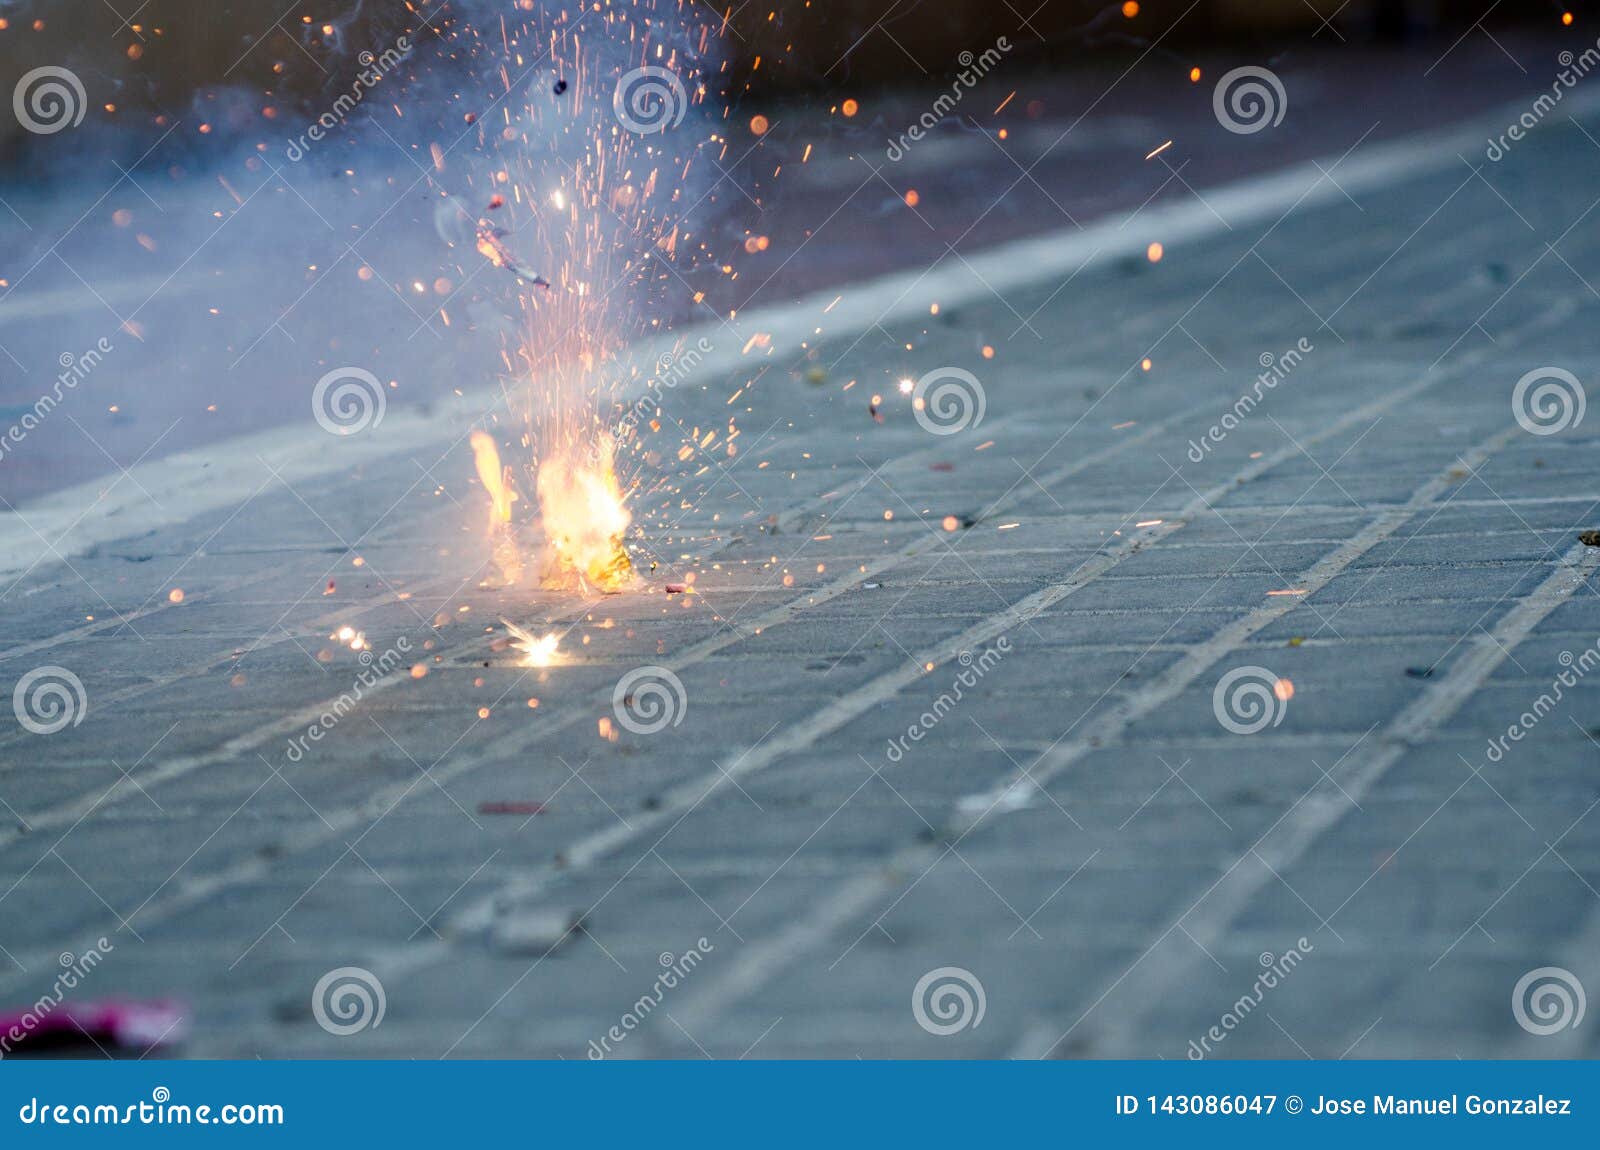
[
  {"x": 581, "y": 504},
  {"x": 493, "y": 477},
  {"x": 537, "y": 650}
]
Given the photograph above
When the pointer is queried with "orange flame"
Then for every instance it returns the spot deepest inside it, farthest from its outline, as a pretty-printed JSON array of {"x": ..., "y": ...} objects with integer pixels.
[
  {"x": 493, "y": 477},
  {"x": 581, "y": 504}
]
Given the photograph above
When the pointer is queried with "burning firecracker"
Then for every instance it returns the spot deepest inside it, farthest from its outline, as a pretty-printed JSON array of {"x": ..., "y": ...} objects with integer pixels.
[{"x": 588, "y": 174}]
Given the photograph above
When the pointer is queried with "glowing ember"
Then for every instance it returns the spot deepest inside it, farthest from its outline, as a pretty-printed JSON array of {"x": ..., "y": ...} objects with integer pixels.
[
  {"x": 537, "y": 650},
  {"x": 350, "y": 637},
  {"x": 580, "y": 502}
]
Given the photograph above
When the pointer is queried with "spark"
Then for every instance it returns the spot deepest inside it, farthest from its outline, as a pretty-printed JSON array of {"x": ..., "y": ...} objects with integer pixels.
[
  {"x": 350, "y": 637},
  {"x": 537, "y": 650}
]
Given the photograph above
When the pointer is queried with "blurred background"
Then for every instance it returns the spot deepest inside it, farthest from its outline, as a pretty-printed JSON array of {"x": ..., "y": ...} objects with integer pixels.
[
  {"x": 192, "y": 107},
  {"x": 244, "y": 64}
]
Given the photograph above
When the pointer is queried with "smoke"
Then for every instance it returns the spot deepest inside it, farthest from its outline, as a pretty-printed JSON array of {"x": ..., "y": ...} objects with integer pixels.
[{"x": 263, "y": 203}]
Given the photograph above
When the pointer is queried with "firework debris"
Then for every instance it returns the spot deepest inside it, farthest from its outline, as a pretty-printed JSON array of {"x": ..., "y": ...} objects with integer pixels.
[
  {"x": 510, "y": 807},
  {"x": 492, "y": 245},
  {"x": 130, "y": 1024}
]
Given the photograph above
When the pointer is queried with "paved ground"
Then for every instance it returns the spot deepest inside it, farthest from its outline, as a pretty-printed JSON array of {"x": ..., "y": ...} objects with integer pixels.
[{"x": 1380, "y": 548}]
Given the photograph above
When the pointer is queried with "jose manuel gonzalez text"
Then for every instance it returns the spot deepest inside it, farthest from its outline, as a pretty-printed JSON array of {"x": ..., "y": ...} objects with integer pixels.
[{"x": 1454, "y": 1104}]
